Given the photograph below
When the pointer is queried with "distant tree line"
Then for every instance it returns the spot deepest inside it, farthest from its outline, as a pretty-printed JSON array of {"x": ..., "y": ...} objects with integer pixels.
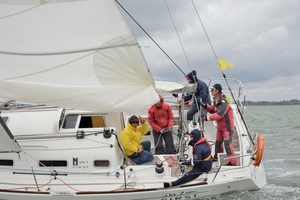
[{"x": 271, "y": 103}]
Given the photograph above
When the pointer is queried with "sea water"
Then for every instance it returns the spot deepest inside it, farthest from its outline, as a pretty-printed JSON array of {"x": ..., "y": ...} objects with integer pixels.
[{"x": 280, "y": 126}]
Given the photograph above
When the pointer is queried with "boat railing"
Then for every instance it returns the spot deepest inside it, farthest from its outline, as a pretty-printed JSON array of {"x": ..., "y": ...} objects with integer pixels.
[
  {"x": 233, "y": 167},
  {"x": 79, "y": 134}
]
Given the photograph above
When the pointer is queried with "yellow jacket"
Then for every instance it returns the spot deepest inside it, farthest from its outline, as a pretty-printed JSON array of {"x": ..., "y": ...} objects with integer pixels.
[{"x": 131, "y": 137}]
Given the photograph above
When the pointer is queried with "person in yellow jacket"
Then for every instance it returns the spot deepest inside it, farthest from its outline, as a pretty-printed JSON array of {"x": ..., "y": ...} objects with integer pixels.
[{"x": 131, "y": 139}]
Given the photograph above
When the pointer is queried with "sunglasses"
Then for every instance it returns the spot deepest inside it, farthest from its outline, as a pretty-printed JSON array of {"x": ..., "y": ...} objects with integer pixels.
[{"x": 135, "y": 122}]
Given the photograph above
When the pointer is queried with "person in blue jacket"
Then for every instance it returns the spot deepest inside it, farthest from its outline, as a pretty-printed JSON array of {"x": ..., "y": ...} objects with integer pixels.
[
  {"x": 202, "y": 92},
  {"x": 201, "y": 161}
]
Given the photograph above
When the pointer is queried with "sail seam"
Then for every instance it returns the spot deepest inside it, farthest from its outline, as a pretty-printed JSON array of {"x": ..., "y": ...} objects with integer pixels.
[{"x": 64, "y": 52}]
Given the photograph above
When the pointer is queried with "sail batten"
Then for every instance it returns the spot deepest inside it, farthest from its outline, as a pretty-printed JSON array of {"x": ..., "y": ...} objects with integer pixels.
[{"x": 63, "y": 52}]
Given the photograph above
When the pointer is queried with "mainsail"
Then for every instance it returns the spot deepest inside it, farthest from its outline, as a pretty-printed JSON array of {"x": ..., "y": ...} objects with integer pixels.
[{"x": 78, "y": 54}]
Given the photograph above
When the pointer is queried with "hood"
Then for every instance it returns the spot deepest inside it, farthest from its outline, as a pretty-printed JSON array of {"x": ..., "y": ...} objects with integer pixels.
[
  {"x": 196, "y": 134},
  {"x": 193, "y": 76}
]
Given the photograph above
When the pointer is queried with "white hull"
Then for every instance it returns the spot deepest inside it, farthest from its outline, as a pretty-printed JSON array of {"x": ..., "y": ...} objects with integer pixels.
[
  {"x": 191, "y": 192},
  {"x": 80, "y": 178}
]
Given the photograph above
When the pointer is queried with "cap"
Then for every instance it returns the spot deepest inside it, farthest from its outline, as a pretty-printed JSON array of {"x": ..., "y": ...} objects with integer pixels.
[{"x": 217, "y": 86}]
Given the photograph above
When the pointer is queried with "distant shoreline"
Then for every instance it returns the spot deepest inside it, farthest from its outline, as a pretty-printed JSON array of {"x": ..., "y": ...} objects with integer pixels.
[{"x": 273, "y": 103}]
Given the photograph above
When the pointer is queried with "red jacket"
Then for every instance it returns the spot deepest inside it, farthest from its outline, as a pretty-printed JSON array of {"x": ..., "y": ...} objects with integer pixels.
[
  {"x": 222, "y": 113},
  {"x": 160, "y": 118}
]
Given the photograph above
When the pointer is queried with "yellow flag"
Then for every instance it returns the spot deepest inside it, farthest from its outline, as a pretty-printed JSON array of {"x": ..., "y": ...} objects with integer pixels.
[{"x": 224, "y": 64}]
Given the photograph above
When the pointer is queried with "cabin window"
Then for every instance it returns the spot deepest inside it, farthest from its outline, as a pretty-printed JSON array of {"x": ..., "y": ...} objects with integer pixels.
[
  {"x": 5, "y": 119},
  {"x": 85, "y": 121},
  {"x": 70, "y": 121},
  {"x": 6, "y": 162},
  {"x": 101, "y": 163},
  {"x": 91, "y": 122},
  {"x": 53, "y": 163}
]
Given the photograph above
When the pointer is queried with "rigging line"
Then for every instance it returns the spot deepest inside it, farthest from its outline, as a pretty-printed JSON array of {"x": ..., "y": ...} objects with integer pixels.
[
  {"x": 150, "y": 37},
  {"x": 25, "y": 10},
  {"x": 67, "y": 184},
  {"x": 248, "y": 132},
  {"x": 121, "y": 148},
  {"x": 178, "y": 36},
  {"x": 31, "y": 187},
  {"x": 26, "y": 154},
  {"x": 204, "y": 30}
]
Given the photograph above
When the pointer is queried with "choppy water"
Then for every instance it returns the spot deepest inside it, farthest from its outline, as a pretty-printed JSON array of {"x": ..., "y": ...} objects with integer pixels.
[{"x": 280, "y": 125}]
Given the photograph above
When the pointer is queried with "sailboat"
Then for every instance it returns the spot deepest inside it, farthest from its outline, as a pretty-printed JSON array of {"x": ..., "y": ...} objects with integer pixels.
[{"x": 79, "y": 65}]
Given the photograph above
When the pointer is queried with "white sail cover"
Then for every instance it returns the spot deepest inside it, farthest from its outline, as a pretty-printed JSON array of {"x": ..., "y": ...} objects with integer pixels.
[
  {"x": 7, "y": 142},
  {"x": 76, "y": 54},
  {"x": 163, "y": 86}
]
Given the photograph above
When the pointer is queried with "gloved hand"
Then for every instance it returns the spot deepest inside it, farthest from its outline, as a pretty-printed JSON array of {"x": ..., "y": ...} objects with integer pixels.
[
  {"x": 180, "y": 163},
  {"x": 162, "y": 131},
  {"x": 169, "y": 129},
  {"x": 206, "y": 117},
  {"x": 203, "y": 104}
]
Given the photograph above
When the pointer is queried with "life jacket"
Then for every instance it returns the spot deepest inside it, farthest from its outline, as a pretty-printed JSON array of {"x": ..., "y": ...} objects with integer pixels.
[{"x": 200, "y": 141}]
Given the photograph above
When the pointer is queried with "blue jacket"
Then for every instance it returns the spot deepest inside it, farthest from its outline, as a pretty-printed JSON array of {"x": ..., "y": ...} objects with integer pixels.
[
  {"x": 201, "y": 151},
  {"x": 202, "y": 90},
  {"x": 201, "y": 159}
]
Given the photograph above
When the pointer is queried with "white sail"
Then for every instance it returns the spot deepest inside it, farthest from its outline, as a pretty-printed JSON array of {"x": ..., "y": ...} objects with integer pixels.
[{"x": 78, "y": 54}]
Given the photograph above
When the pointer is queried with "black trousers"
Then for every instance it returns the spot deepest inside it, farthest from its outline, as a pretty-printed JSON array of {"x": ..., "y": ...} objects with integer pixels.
[{"x": 158, "y": 141}]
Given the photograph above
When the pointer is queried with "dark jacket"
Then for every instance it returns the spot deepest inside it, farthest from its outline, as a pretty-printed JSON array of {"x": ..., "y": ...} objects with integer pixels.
[
  {"x": 202, "y": 90},
  {"x": 201, "y": 159},
  {"x": 201, "y": 151}
]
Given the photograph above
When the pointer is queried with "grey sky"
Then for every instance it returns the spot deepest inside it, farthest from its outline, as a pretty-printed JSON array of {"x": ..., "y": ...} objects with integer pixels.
[{"x": 259, "y": 37}]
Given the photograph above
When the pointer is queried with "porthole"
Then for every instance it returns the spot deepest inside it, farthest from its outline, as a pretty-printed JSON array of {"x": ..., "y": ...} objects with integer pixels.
[
  {"x": 6, "y": 162},
  {"x": 101, "y": 163},
  {"x": 53, "y": 163}
]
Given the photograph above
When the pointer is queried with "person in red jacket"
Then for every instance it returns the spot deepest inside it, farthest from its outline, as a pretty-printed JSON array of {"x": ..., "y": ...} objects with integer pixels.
[
  {"x": 161, "y": 119},
  {"x": 222, "y": 113}
]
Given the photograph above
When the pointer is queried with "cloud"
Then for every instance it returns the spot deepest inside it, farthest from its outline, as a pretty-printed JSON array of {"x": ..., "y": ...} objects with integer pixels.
[
  {"x": 260, "y": 38},
  {"x": 274, "y": 89}
]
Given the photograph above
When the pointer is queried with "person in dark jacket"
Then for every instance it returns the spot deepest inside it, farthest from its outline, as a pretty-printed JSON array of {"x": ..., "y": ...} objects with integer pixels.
[
  {"x": 222, "y": 113},
  {"x": 201, "y": 161},
  {"x": 201, "y": 95}
]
